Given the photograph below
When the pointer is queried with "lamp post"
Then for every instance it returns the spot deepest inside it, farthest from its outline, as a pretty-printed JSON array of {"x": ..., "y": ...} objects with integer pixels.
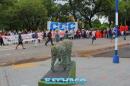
[{"x": 116, "y": 56}]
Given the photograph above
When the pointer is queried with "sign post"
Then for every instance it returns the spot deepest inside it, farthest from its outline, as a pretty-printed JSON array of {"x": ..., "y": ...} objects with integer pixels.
[{"x": 116, "y": 56}]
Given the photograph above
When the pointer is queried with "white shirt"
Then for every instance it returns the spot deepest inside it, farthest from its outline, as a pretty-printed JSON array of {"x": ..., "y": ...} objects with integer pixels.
[{"x": 93, "y": 33}]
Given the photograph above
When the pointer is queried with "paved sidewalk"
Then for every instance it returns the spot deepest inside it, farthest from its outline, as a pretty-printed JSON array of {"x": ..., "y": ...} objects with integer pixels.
[{"x": 97, "y": 71}]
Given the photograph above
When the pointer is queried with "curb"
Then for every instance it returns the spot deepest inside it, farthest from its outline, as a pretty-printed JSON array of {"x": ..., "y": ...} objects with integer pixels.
[
  {"x": 90, "y": 53},
  {"x": 25, "y": 61}
]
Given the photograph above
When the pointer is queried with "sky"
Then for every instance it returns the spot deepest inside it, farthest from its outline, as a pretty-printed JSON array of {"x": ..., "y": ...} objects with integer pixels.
[{"x": 61, "y": 1}]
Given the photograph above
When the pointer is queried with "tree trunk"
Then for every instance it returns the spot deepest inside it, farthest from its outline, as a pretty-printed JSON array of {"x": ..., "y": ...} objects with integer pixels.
[
  {"x": 109, "y": 21},
  {"x": 75, "y": 18},
  {"x": 90, "y": 23}
]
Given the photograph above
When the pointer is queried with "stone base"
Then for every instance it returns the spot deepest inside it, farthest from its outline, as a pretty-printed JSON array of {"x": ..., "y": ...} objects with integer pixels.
[{"x": 59, "y": 73}]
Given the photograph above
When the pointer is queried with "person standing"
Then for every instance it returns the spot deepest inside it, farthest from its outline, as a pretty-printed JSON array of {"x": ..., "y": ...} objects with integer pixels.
[
  {"x": 49, "y": 38},
  {"x": 33, "y": 37},
  {"x": 93, "y": 36},
  {"x": 36, "y": 38},
  {"x": 110, "y": 35},
  {"x": 57, "y": 36},
  {"x": 78, "y": 34},
  {"x": 66, "y": 35},
  {"x": 87, "y": 34},
  {"x": 44, "y": 35},
  {"x": 20, "y": 41},
  {"x": 124, "y": 34},
  {"x": 84, "y": 35}
]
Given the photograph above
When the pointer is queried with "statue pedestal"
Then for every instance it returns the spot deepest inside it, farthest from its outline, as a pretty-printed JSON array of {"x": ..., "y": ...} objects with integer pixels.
[{"x": 59, "y": 73}]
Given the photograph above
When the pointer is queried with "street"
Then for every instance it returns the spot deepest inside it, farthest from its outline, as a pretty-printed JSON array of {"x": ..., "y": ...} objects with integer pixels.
[{"x": 9, "y": 55}]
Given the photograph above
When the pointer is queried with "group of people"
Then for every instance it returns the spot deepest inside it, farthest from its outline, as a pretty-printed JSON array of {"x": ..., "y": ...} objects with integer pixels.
[
  {"x": 51, "y": 36},
  {"x": 93, "y": 34}
]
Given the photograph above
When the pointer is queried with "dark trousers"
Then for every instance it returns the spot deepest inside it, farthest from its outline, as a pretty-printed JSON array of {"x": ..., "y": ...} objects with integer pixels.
[
  {"x": 2, "y": 42},
  {"x": 93, "y": 38},
  {"x": 49, "y": 40},
  {"x": 124, "y": 37}
]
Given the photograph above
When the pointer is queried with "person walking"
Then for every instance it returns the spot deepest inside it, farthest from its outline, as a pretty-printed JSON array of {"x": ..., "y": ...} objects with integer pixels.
[
  {"x": 20, "y": 41},
  {"x": 1, "y": 41},
  {"x": 49, "y": 38}
]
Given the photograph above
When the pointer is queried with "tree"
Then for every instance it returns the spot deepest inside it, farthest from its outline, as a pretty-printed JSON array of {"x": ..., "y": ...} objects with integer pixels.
[
  {"x": 109, "y": 11},
  {"x": 87, "y": 8},
  {"x": 123, "y": 11},
  {"x": 31, "y": 14},
  {"x": 25, "y": 15},
  {"x": 4, "y": 6}
]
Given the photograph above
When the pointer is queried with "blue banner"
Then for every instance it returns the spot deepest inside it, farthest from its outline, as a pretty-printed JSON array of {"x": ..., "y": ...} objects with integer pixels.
[
  {"x": 71, "y": 25},
  {"x": 62, "y": 26},
  {"x": 54, "y": 25}
]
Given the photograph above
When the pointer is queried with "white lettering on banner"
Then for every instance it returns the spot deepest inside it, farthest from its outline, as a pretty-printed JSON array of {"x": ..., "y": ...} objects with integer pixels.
[
  {"x": 10, "y": 39},
  {"x": 62, "y": 26},
  {"x": 26, "y": 38}
]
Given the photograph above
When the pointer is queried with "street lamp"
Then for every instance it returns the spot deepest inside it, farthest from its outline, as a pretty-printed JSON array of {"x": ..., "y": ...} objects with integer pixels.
[{"x": 116, "y": 56}]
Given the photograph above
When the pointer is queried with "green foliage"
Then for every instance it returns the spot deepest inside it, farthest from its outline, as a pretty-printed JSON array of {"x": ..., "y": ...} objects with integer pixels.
[
  {"x": 52, "y": 9},
  {"x": 87, "y": 9},
  {"x": 96, "y": 23},
  {"x": 25, "y": 14},
  {"x": 31, "y": 13},
  {"x": 34, "y": 14},
  {"x": 104, "y": 26},
  {"x": 4, "y": 14},
  {"x": 87, "y": 26}
]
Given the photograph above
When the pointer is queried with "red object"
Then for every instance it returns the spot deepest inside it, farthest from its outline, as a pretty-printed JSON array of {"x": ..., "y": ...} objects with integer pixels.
[
  {"x": 98, "y": 34},
  {"x": 126, "y": 28},
  {"x": 121, "y": 28}
]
